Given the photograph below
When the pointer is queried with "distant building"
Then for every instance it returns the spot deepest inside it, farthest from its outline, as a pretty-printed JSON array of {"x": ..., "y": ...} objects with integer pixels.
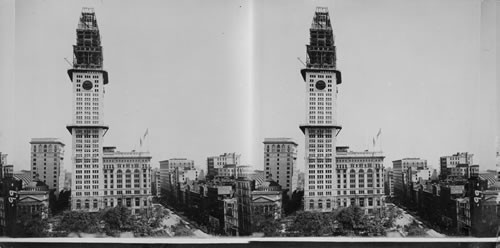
[
  {"x": 167, "y": 168},
  {"x": 280, "y": 158},
  {"x": 3, "y": 162},
  {"x": 155, "y": 182},
  {"x": 127, "y": 181},
  {"x": 228, "y": 170},
  {"x": 216, "y": 162},
  {"x": 447, "y": 163},
  {"x": 462, "y": 171},
  {"x": 171, "y": 164},
  {"x": 67, "y": 180},
  {"x": 389, "y": 182},
  {"x": 245, "y": 171},
  {"x": 47, "y": 162},
  {"x": 8, "y": 171},
  {"x": 400, "y": 171}
]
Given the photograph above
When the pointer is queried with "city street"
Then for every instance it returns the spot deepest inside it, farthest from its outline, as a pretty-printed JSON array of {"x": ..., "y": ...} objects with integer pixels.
[
  {"x": 173, "y": 219},
  {"x": 406, "y": 219}
]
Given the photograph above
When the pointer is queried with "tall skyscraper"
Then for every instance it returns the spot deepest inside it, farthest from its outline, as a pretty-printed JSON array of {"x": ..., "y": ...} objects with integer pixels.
[
  {"x": 280, "y": 158},
  {"x": 87, "y": 129},
  {"x": 321, "y": 128},
  {"x": 47, "y": 155}
]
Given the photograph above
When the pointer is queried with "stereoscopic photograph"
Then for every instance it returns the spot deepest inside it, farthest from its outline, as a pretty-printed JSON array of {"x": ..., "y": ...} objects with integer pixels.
[{"x": 240, "y": 120}]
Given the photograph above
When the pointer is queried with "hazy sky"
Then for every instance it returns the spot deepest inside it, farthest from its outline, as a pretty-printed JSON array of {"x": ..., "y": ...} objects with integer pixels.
[{"x": 208, "y": 77}]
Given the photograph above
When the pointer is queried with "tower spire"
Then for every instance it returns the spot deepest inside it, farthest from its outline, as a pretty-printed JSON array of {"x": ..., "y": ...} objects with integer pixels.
[
  {"x": 88, "y": 50},
  {"x": 321, "y": 49}
]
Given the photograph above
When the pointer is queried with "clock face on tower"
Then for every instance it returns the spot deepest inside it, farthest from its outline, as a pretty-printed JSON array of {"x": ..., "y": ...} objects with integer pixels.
[
  {"x": 320, "y": 85},
  {"x": 87, "y": 85}
]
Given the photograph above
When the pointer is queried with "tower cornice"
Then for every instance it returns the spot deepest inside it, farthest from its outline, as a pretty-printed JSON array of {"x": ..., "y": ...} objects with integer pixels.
[{"x": 338, "y": 75}]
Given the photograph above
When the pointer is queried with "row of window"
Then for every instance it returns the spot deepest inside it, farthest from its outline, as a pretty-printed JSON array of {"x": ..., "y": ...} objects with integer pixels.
[
  {"x": 87, "y": 193},
  {"x": 88, "y": 103},
  {"x": 86, "y": 76},
  {"x": 320, "y": 76},
  {"x": 320, "y": 108},
  {"x": 343, "y": 192},
  {"x": 362, "y": 202}
]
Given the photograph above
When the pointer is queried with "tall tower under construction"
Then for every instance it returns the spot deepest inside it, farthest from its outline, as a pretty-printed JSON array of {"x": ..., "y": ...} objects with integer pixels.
[
  {"x": 321, "y": 127},
  {"x": 87, "y": 128}
]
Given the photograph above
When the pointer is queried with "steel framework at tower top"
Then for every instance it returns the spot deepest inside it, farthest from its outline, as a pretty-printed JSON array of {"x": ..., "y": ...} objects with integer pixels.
[
  {"x": 88, "y": 50},
  {"x": 321, "y": 52}
]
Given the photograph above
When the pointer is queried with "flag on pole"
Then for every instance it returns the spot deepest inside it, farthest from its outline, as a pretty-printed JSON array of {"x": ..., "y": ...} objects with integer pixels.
[
  {"x": 373, "y": 142},
  {"x": 140, "y": 141},
  {"x": 146, "y": 133},
  {"x": 379, "y": 132}
]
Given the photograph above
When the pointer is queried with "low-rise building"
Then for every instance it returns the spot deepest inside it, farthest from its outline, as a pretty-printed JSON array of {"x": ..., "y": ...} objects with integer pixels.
[
  {"x": 256, "y": 199},
  {"x": 127, "y": 180},
  {"x": 231, "y": 217},
  {"x": 360, "y": 181}
]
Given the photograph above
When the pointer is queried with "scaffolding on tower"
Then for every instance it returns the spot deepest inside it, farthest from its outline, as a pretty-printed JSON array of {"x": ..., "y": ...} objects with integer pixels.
[
  {"x": 321, "y": 48},
  {"x": 88, "y": 50}
]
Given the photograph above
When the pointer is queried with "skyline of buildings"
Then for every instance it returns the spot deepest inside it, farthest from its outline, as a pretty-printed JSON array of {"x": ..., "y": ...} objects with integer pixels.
[
  {"x": 335, "y": 176},
  {"x": 385, "y": 85}
]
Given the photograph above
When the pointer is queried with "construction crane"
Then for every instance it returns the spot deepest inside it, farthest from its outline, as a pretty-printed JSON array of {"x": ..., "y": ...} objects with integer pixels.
[
  {"x": 68, "y": 62},
  {"x": 301, "y": 61}
]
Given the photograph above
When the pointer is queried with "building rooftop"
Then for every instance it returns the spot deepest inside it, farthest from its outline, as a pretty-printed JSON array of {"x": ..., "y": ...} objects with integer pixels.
[
  {"x": 131, "y": 154},
  {"x": 46, "y": 141},
  {"x": 280, "y": 140}
]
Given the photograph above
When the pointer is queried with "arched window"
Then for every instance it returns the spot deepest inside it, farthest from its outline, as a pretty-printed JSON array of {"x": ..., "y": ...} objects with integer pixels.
[
  {"x": 311, "y": 204},
  {"x": 106, "y": 202},
  {"x": 328, "y": 203},
  {"x": 78, "y": 204},
  {"x": 95, "y": 203},
  {"x": 87, "y": 203},
  {"x": 34, "y": 148}
]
